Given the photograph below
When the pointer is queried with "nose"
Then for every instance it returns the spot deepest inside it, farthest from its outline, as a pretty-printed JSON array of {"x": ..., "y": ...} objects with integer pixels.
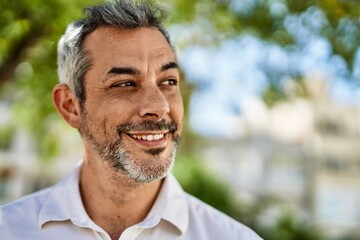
[{"x": 154, "y": 105}]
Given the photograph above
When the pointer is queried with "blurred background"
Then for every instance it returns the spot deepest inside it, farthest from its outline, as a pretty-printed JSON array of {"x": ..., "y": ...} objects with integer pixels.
[{"x": 272, "y": 98}]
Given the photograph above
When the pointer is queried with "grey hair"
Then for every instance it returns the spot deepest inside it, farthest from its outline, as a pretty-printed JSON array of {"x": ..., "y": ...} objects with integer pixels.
[{"x": 74, "y": 62}]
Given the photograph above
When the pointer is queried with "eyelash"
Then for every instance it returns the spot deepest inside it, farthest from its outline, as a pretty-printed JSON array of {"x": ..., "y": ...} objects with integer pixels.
[
  {"x": 167, "y": 82},
  {"x": 123, "y": 84}
]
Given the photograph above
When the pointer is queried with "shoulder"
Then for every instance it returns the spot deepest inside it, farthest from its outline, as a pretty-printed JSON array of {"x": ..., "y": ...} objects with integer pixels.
[
  {"x": 22, "y": 212},
  {"x": 27, "y": 203},
  {"x": 213, "y": 224}
]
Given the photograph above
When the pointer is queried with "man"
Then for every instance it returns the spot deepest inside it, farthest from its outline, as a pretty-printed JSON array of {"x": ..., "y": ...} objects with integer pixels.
[{"x": 119, "y": 86}]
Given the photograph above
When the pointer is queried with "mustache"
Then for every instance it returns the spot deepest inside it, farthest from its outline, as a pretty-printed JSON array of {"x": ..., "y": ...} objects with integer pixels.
[{"x": 147, "y": 125}]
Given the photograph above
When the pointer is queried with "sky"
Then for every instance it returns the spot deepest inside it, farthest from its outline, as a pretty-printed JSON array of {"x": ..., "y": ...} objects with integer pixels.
[{"x": 230, "y": 74}]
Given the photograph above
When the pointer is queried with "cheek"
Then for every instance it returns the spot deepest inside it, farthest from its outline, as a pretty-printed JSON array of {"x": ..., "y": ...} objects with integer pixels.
[
  {"x": 115, "y": 109},
  {"x": 95, "y": 120},
  {"x": 177, "y": 108},
  {"x": 90, "y": 123}
]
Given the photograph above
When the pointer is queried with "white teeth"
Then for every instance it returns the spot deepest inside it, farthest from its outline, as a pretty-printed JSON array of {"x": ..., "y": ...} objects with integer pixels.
[{"x": 149, "y": 137}]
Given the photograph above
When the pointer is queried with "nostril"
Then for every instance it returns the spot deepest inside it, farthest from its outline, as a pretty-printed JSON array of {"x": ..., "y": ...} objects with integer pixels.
[
  {"x": 151, "y": 114},
  {"x": 154, "y": 114}
]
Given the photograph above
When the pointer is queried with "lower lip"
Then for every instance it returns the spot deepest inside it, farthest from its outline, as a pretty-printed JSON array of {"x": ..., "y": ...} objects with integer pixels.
[{"x": 154, "y": 143}]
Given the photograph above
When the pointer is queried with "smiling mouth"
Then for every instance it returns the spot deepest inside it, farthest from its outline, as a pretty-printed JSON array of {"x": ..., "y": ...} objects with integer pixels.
[{"x": 148, "y": 137}]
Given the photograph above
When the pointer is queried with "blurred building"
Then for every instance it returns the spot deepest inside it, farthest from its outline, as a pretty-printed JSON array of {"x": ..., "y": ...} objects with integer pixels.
[
  {"x": 17, "y": 158},
  {"x": 21, "y": 172},
  {"x": 303, "y": 154}
]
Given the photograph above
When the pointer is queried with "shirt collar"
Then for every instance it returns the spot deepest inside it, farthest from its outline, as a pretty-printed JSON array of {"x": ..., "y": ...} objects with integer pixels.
[
  {"x": 64, "y": 203},
  {"x": 171, "y": 205}
]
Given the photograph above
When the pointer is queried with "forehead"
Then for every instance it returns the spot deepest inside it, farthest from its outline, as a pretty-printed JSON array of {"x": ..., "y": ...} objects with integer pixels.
[{"x": 110, "y": 45}]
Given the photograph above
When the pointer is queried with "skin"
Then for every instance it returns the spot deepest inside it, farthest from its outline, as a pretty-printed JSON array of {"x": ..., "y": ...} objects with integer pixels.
[{"x": 113, "y": 198}]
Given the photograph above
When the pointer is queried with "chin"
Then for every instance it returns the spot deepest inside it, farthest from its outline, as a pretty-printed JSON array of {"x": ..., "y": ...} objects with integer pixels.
[{"x": 152, "y": 168}]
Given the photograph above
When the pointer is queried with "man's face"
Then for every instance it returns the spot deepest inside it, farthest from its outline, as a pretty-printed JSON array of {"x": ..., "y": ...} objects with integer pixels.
[{"x": 132, "y": 115}]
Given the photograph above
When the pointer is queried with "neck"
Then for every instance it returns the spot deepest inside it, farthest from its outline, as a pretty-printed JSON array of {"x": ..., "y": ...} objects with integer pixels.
[{"x": 112, "y": 200}]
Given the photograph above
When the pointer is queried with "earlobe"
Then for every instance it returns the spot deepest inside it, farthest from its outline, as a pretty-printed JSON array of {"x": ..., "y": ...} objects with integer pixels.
[{"x": 67, "y": 105}]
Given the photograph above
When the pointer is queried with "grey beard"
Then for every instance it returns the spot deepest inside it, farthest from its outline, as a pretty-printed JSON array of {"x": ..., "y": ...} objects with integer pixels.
[
  {"x": 114, "y": 153},
  {"x": 124, "y": 161}
]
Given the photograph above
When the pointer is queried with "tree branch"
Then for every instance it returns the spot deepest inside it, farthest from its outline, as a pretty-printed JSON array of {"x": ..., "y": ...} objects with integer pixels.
[{"x": 18, "y": 52}]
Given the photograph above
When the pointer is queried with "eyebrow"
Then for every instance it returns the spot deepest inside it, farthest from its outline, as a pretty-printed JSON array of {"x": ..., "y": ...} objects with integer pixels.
[
  {"x": 134, "y": 71},
  {"x": 168, "y": 66},
  {"x": 124, "y": 70}
]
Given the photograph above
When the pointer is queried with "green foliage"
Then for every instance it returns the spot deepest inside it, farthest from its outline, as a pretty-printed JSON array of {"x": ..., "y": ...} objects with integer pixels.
[
  {"x": 28, "y": 37},
  {"x": 273, "y": 94},
  {"x": 276, "y": 92},
  {"x": 181, "y": 10},
  {"x": 198, "y": 181},
  {"x": 351, "y": 236},
  {"x": 6, "y": 136},
  {"x": 286, "y": 23},
  {"x": 266, "y": 20},
  {"x": 289, "y": 228},
  {"x": 203, "y": 183}
]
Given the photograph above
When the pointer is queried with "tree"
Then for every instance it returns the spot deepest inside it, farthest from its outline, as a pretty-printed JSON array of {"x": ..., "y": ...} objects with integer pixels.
[
  {"x": 30, "y": 30},
  {"x": 288, "y": 24}
]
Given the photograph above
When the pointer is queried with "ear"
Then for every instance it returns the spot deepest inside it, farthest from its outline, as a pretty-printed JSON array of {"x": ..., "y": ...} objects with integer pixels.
[{"x": 67, "y": 105}]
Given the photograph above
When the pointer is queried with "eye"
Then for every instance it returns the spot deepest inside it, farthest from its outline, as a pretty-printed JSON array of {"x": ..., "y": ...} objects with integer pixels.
[
  {"x": 172, "y": 82},
  {"x": 123, "y": 84}
]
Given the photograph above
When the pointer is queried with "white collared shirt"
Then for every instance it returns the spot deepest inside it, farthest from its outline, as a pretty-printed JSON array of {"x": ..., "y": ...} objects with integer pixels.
[{"x": 57, "y": 213}]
